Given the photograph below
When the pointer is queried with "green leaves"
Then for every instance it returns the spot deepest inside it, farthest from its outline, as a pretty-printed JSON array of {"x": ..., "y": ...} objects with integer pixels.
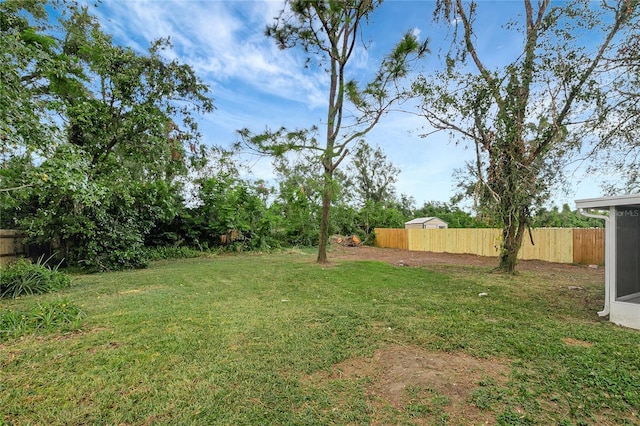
[
  {"x": 280, "y": 142},
  {"x": 27, "y": 57},
  {"x": 23, "y": 278},
  {"x": 526, "y": 118},
  {"x": 141, "y": 115},
  {"x": 373, "y": 176},
  {"x": 62, "y": 315},
  {"x": 329, "y": 32},
  {"x": 98, "y": 134},
  {"x": 396, "y": 63},
  {"x": 234, "y": 212}
]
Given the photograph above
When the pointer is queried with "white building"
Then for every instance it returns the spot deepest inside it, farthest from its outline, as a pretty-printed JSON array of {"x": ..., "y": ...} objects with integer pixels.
[
  {"x": 622, "y": 255},
  {"x": 426, "y": 223}
]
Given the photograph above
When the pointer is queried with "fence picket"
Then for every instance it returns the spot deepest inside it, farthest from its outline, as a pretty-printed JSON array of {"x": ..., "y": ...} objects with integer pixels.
[{"x": 561, "y": 245}]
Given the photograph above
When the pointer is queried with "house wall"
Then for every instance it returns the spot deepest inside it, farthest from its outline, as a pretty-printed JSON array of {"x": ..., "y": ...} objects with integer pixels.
[
  {"x": 413, "y": 226},
  {"x": 435, "y": 224},
  {"x": 625, "y": 314}
]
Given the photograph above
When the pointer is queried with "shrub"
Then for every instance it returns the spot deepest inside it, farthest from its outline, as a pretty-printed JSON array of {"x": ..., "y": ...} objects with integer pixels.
[
  {"x": 23, "y": 277},
  {"x": 117, "y": 259}
]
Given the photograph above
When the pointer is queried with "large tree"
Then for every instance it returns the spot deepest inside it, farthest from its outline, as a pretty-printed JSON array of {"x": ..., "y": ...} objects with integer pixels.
[
  {"x": 524, "y": 117},
  {"x": 135, "y": 109},
  {"x": 29, "y": 57},
  {"x": 123, "y": 131},
  {"x": 371, "y": 179},
  {"x": 329, "y": 31}
]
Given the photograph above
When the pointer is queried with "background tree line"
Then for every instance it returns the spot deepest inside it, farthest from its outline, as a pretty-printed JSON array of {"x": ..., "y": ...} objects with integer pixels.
[{"x": 100, "y": 146}]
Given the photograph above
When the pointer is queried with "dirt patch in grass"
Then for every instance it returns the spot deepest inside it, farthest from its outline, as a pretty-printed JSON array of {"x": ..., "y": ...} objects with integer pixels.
[
  {"x": 108, "y": 346},
  {"x": 569, "y": 341},
  {"x": 140, "y": 290},
  {"x": 425, "y": 386},
  {"x": 454, "y": 388},
  {"x": 399, "y": 257}
]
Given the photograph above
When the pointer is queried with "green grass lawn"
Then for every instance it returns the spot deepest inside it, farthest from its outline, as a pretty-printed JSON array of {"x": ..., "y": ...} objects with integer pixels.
[{"x": 255, "y": 340}]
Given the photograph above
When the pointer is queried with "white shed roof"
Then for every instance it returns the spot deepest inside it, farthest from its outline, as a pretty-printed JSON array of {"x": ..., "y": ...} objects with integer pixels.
[
  {"x": 423, "y": 220},
  {"x": 606, "y": 202}
]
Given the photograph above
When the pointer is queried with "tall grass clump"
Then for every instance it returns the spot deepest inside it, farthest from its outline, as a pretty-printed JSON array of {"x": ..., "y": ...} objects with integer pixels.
[
  {"x": 23, "y": 277},
  {"x": 61, "y": 315}
]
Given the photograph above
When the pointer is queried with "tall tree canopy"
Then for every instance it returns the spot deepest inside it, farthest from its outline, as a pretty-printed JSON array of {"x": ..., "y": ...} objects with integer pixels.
[
  {"x": 29, "y": 58},
  {"x": 617, "y": 132},
  {"x": 97, "y": 158},
  {"x": 372, "y": 176},
  {"x": 524, "y": 117},
  {"x": 329, "y": 31}
]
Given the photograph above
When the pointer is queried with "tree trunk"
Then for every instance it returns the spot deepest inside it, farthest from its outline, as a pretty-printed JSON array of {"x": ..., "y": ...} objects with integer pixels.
[
  {"x": 324, "y": 218},
  {"x": 511, "y": 242}
]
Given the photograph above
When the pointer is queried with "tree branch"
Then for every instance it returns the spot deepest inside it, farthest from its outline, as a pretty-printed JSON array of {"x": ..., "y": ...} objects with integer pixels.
[
  {"x": 621, "y": 17},
  {"x": 15, "y": 188},
  {"x": 468, "y": 32}
]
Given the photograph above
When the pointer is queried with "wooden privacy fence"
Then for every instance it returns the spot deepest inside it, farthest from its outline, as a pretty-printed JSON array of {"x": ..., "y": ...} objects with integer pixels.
[
  {"x": 562, "y": 245},
  {"x": 11, "y": 245},
  {"x": 588, "y": 246}
]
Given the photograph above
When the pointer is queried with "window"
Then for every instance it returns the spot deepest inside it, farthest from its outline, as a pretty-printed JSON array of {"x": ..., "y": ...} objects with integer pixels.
[{"x": 628, "y": 254}]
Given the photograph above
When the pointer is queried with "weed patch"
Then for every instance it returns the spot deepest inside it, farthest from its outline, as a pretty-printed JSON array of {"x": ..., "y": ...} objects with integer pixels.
[
  {"x": 23, "y": 277},
  {"x": 60, "y": 316}
]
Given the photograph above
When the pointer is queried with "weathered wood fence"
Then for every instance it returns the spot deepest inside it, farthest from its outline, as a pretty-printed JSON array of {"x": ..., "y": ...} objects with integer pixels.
[
  {"x": 562, "y": 245},
  {"x": 11, "y": 245}
]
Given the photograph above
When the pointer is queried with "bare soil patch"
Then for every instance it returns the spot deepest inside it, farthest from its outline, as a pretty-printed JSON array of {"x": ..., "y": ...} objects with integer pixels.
[
  {"x": 569, "y": 341},
  {"x": 399, "y": 257},
  {"x": 427, "y": 386},
  {"x": 432, "y": 387}
]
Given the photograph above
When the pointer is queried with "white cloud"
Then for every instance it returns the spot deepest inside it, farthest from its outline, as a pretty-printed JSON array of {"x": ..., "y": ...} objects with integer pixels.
[
  {"x": 222, "y": 40},
  {"x": 255, "y": 84}
]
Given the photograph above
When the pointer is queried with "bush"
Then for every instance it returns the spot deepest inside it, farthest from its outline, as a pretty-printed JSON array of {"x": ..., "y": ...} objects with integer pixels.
[
  {"x": 42, "y": 317},
  {"x": 118, "y": 259},
  {"x": 23, "y": 277}
]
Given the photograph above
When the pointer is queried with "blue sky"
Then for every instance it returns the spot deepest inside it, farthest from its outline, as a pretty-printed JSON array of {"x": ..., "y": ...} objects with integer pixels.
[{"x": 257, "y": 85}]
